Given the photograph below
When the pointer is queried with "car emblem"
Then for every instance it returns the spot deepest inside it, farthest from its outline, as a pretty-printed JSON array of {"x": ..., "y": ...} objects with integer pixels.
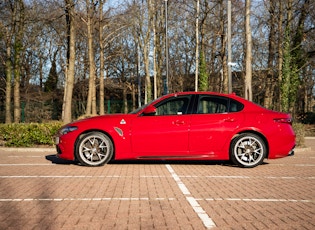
[{"x": 122, "y": 122}]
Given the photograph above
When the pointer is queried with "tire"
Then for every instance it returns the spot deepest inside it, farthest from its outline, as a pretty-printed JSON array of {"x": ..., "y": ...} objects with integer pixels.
[
  {"x": 248, "y": 150},
  {"x": 94, "y": 149}
]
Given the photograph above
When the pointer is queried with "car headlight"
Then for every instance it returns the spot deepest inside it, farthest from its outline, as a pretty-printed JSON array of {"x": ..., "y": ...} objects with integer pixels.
[{"x": 67, "y": 129}]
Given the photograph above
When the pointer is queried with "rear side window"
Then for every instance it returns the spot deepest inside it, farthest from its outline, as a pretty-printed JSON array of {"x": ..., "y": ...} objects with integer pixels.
[
  {"x": 235, "y": 106},
  {"x": 217, "y": 104},
  {"x": 208, "y": 105}
]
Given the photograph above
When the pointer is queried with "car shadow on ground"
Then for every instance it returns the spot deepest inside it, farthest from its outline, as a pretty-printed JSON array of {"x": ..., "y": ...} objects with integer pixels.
[
  {"x": 180, "y": 162},
  {"x": 55, "y": 160}
]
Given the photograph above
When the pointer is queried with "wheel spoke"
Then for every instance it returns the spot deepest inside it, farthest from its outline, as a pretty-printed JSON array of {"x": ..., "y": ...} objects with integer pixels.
[{"x": 102, "y": 145}]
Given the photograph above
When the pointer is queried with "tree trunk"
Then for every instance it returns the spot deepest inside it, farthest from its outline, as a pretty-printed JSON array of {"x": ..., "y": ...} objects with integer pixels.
[
  {"x": 18, "y": 47},
  {"x": 280, "y": 52},
  {"x": 68, "y": 90},
  {"x": 248, "y": 76},
  {"x": 16, "y": 90},
  {"x": 91, "y": 100},
  {"x": 102, "y": 109},
  {"x": 271, "y": 56},
  {"x": 197, "y": 46},
  {"x": 145, "y": 45},
  {"x": 148, "y": 87},
  {"x": 125, "y": 101},
  {"x": 8, "y": 86},
  {"x": 224, "y": 76}
]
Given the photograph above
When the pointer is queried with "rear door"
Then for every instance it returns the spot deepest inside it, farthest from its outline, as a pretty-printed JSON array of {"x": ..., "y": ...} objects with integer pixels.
[{"x": 213, "y": 124}]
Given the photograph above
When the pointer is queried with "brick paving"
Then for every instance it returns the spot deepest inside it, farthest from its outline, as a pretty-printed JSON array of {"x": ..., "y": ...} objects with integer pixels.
[{"x": 38, "y": 191}]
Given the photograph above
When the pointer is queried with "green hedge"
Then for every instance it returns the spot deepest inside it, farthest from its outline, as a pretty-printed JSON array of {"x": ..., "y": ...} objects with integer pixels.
[
  {"x": 34, "y": 134},
  {"x": 28, "y": 135},
  {"x": 299, "y": 130}
]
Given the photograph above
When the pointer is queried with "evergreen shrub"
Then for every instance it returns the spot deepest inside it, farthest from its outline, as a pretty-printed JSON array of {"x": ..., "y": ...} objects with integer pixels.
[
  {"x": 28, "y": 134},
  {"x": 299, "y": 130}
]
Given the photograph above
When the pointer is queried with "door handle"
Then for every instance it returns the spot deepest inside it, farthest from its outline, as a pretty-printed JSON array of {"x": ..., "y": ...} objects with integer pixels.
[
  {"x": 229, "y": 120},
  {"x": 178, "y": 122}
]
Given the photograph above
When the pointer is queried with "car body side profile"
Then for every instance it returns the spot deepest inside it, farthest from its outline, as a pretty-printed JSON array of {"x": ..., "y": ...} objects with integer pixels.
[{"x": 182, "y": 126}]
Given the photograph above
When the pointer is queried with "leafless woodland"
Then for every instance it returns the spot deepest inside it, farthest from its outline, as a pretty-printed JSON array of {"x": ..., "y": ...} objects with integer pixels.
[{"x": 64, "y": 59}]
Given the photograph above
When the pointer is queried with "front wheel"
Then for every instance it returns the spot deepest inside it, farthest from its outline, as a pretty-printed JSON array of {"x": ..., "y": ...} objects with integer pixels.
[
  {"x": 248, "y": 150},
  {"x": 94, "y": 149}
]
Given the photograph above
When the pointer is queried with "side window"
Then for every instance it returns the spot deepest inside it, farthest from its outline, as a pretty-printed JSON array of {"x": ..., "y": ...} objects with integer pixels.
[
  {"x": 212, "y": 104},
  {"x": 235, "y": 106},
  {"x": 173, "y": 106}
]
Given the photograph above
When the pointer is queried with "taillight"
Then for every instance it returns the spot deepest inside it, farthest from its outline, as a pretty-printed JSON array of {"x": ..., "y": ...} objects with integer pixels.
[{"x": 283, "y": 120}]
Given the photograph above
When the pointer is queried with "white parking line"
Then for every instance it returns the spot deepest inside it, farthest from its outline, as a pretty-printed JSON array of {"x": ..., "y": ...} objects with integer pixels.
[
  {"x": 26, "y": 164},
  {"x": 154, "y": 176},
  {"x": 74, "y": 176},
  {"x": 87, "y": 199},
  {"x": 297, "y": 165},
  {"x": 258, "y": 200},
  {"x": 207, "y": 221},
  {"x": 25, "y": 156},
  {"x": 192, "y": 201}
]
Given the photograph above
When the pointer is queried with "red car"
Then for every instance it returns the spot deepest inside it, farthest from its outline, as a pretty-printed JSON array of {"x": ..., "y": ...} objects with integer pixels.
[{"x": 182, "y": 126}]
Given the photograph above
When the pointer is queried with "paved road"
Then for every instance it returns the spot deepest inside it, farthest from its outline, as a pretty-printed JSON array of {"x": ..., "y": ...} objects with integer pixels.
[{"x": 38, "y": 191}]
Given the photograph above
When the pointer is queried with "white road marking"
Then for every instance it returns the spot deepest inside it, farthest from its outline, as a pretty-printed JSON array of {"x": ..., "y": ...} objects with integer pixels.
[
  {"x": 207, "y": 221},
  {"x": 297, "y": 165},
  {"x": 25, "y": 156},
  {"x": 153, "y": 176},
  {"x": 27, "y": 164},
  {"x": 233, "y": 177},
  {"x": 86, "y": 199},
  {"x": 192, "y": 201},
  {"x": 259, "y": 200}
]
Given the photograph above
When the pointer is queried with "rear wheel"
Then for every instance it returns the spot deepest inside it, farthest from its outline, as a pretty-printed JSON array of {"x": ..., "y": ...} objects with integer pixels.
[
  {"x": 94, "y": 149},
  {"x": 248, "y": 150}
]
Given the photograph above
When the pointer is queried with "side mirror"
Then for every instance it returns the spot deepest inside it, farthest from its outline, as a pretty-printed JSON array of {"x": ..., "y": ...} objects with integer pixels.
[{"x": 149, "y": 111}]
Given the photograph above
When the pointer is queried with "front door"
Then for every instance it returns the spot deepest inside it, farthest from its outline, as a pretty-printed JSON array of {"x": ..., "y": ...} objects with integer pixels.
[{"x": 165, "y": 133}]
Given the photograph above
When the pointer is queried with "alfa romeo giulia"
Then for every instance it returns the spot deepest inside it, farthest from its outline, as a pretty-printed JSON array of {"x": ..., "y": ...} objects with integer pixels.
[{"x": 182, "y": 126}]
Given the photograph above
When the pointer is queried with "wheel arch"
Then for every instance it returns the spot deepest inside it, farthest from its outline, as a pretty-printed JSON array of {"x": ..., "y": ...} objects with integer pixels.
[
  {"x": 89, "y": 131},
  {"x": 258, "y": 134}
]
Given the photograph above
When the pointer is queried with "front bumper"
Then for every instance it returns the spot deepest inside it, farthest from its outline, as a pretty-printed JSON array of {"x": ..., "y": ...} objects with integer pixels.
[
  {"x": 64, "y": 147},
  {"x": 291, "y": 153}
]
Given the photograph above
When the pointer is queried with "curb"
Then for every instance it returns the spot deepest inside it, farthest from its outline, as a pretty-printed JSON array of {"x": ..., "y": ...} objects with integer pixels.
[
  {"x": 298, "y": 150},
  {"x": 40, "y": 149}
]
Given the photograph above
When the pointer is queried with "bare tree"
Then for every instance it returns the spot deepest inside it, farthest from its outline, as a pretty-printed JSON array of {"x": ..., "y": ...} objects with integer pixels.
[
  {"x": 8, "y": 72},
  {"x": 26, "y": 48},
  {"x": 102, "y": 110},
  {"x": 269, "y": 86},
  {"x": 223, "y": 39},
  {"x": 248, "y": 33},
  {"x": 68, "y": 90},
  {"x": 91, "y": 100},
  {"x": 19, "y": 20},
  {"x": 197, "y": 45}
]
